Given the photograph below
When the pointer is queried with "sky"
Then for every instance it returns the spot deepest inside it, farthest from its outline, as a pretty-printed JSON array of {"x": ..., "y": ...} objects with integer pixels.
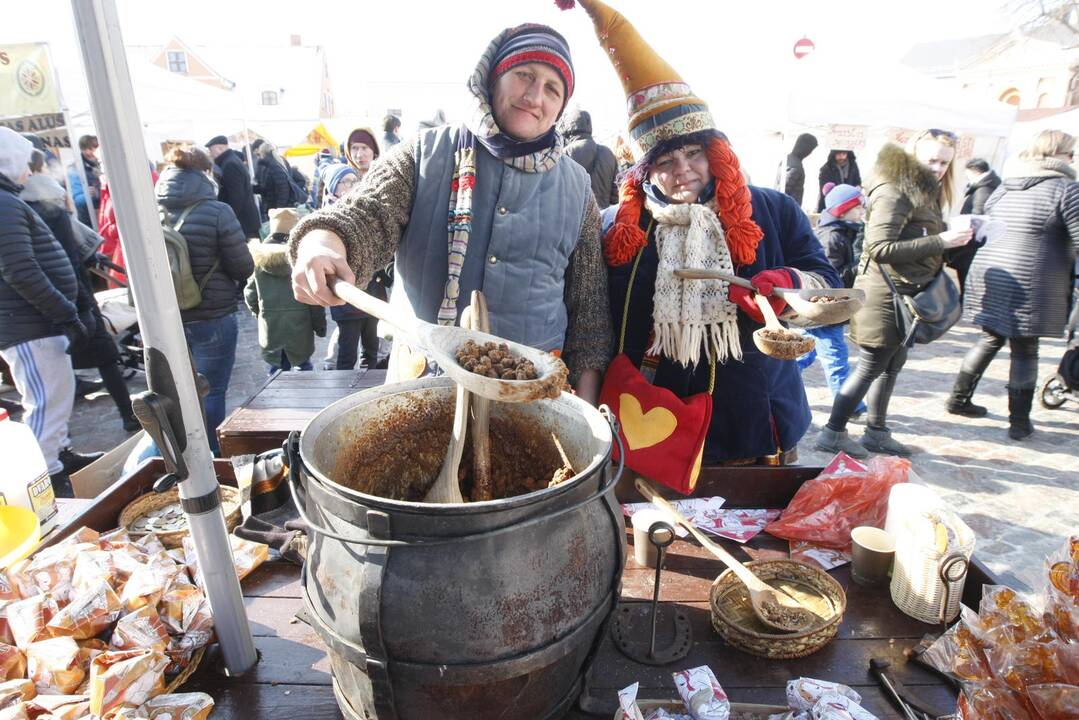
[{"x": 732, "y": 53}]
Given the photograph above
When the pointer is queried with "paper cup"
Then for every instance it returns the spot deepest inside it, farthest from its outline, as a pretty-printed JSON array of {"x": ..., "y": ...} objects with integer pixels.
[
  {"x": 644, "y": 552},
  {"x": 873, "y": 551}
]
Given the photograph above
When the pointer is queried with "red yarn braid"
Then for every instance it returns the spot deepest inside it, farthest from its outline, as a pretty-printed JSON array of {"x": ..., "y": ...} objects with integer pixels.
[
  {"x": 733, "y": 203},
  {"x": 626, "y": 238}
]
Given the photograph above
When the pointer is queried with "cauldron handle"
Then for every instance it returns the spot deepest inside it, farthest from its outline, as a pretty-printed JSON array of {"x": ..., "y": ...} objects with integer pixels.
[{"x": 299, "y": 497}]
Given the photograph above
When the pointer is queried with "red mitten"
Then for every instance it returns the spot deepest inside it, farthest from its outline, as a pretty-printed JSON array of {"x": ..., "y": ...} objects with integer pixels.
[{"x": 765, "y": 281}]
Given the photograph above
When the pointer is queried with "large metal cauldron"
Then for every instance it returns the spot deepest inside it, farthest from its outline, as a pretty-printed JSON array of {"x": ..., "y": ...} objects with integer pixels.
[{"x": 478, "y": 610}]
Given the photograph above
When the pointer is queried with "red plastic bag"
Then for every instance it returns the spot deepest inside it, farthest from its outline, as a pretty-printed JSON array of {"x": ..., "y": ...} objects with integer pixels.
[{"x": 845, "y": 495}]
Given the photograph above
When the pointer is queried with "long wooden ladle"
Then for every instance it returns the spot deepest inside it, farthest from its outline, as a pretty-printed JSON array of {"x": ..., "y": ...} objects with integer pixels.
[
  {"x": 442, "y": 342},
  {"x": 847, "y": 301},
  {"x": 773, "y": 607},
  {"x": 773, "y": 339},
  {"x": 447, "y": 487}
]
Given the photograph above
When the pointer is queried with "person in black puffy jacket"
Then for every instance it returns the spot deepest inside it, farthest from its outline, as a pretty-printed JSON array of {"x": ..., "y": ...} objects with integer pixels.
[
  {"x": 39, "y": 319},
  {"x": 274, "y": 185},
  {"x": 213, "y": 234}
]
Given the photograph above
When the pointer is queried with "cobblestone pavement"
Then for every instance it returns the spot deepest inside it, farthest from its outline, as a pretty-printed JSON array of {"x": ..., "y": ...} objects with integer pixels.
[{"x": 1021, "y": 498}]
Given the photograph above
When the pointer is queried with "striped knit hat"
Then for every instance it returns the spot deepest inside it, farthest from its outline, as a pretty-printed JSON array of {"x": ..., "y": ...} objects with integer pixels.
[{"x": 535, "y": 43}]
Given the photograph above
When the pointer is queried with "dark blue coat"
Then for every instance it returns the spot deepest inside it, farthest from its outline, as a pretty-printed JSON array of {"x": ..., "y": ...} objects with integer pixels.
[
  {"x": 37, "y": 282},
  {"x": 759, "y": 404}
]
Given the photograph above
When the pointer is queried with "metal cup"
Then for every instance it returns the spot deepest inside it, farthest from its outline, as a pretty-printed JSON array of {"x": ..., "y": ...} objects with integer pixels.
[{"x": 873, "y": 551}]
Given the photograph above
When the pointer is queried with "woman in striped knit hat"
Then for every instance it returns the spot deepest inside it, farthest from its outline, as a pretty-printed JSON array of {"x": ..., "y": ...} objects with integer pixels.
[
  {"x": 522, "y": 226},
  {"x": 686, "y": 203}
]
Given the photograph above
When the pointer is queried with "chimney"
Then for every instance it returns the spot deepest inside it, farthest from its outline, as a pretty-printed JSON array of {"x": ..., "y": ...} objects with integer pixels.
[{"x": 294, "y": 40}]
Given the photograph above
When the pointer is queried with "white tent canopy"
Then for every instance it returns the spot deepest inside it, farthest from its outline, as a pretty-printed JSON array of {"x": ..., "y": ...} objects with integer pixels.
[{"x": 829, "y": 91}]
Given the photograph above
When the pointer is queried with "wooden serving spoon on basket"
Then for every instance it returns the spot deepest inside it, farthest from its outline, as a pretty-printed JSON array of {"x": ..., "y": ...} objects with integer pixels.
[
  {"x": 443, "y": 341},
  {"x": 772, "y": 606}
]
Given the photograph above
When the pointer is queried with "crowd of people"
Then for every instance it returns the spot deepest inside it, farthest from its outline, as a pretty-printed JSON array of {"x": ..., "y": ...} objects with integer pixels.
[{"x": 577, "y": 248}]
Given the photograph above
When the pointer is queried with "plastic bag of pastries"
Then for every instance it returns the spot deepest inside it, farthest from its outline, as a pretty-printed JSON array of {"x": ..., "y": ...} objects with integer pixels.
[
  {"x": 27, "y": 618},
  {"x": 95, "y": 567},
  {"x": 54, "y": 667},
  {"x": 246, "y": 556},
  {"x": 1055, "y": 701},
  {"x": 1062, "y": 589},
  {"x": 12, "y": 662},
  {"x": 178, "y": 706},
  {"x": 59, "y": 707},
  {"x": 139, "y": 630},
  {"x": 88, "y": 615},
  {"x": 125, "y": 677},
  {"x": 146, "y": 585},
  {"x": 991, "y": 700}
]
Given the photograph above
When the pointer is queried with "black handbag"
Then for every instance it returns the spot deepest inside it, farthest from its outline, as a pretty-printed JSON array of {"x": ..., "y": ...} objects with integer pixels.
[{"x": 928, "y": 314}]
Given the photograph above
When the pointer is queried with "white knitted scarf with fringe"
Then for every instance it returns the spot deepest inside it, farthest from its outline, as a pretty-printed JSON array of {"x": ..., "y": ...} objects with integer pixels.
[{"x": 692, "y": 315}]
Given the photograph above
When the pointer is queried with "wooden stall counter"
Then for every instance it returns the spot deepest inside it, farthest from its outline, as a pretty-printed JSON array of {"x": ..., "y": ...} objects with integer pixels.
[
  {"x": 292, "y": 679},
  {"x": 286, "y": 402}
]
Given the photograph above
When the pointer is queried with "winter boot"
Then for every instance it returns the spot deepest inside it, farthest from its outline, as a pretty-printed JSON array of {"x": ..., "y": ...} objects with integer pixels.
[
  {"x": 61, "y": 485},
  {"x": 131, "y": 423},
  {"x": 1019, "y": 402},
  {"x": 881, "y": 441},
  {"x": 959, "y": 402},
  {"x": 833, "y": 442}
]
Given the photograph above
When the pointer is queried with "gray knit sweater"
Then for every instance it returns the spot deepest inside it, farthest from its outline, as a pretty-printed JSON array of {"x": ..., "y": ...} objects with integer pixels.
[{"x": 371, "y": 221}]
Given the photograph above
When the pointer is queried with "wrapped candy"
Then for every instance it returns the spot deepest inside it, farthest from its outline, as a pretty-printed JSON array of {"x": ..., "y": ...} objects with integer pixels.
[
  {"x": 127, "y": 677},
  {"x": 12, "y": 663},
  {"x": 151, "y": 544},
  {"x": 991, "y": 700},
  {"x": 178, "y": 706},
  {"x": 627, "y": 703},
  {"x": 5, "y": 627},
  {"x": 833, "y": 706},
  {"x": 803, "y": 693},
  {"x": 82, "y": 535},
  {"x": 14, "y": 712},
  {"x": 89, "y": 614},
  {"x": 53, "y": 665},
  {"x": 16, "y": 691},
  {"x": 59, "y": 707},
  {"x": 246, "y": 556},
  {"x": 140, "y": 629},
  {"x": 114, "y": 539},
  {"x": 960, "y": 651},
  {"x": 1035, "y": 663},
  {"x": 8, "y": 590},
  {"x": 27, "y": 619},
  {"x": 702, "y": 694}
]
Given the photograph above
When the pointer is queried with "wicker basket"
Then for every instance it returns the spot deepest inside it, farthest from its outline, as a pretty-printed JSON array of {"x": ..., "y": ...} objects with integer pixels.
[
  {"x": 733, "y": 617},
  {"x": 174, "y": 538},
  {"x": 929, "y": 573}
]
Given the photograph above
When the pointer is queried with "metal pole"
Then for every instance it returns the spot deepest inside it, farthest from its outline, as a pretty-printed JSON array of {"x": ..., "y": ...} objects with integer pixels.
[{"x": 172, "y": 406}]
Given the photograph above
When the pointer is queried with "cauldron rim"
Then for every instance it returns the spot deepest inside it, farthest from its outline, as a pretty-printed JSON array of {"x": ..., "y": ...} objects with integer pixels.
[{"x": 319, "y": 424}]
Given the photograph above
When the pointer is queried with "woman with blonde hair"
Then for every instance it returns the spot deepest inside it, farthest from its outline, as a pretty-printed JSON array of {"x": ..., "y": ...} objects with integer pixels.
[
  {"x": 1020, "y": 284},
  {"x": 905, "y": 238}
]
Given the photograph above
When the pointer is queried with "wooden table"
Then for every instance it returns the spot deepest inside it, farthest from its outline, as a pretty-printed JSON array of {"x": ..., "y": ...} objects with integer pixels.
[{"x": 286, "y": 402}]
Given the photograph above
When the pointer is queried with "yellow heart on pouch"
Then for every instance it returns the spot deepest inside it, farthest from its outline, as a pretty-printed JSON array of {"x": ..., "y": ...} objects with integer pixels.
[{"x": 644, "y": 429}]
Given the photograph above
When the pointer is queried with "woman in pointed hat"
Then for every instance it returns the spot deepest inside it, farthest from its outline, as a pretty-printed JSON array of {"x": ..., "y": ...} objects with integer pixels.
[{"x": 686, "y": 203}]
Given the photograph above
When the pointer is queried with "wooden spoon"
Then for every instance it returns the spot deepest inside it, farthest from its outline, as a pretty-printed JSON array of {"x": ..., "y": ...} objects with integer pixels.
[
  {"x": 848, "y": 300},
  {"x": 773, "y": 607},
  {"x": 447, "y": 487},
  {"x": 481, "y": 415},
  {"x": 443, "y": 341}
]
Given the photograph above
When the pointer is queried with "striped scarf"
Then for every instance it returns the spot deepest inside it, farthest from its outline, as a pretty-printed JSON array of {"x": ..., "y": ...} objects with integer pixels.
[{"x": 530, "y": 156}]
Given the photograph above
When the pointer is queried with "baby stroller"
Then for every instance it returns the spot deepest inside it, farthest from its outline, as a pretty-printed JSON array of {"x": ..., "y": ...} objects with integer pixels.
[
  {"x": 118, "y": 312},
  {"x": 1063, "y": 386}
]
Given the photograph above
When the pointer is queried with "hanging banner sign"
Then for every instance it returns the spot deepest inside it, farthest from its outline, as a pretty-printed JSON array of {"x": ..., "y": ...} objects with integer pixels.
[
  {"x": 49, "y": 127},
  {"x": 27, "y": 84}
]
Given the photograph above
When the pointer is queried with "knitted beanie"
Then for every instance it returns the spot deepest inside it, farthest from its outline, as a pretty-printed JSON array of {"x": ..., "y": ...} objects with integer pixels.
[
  {"x": 840, "y": 198},
  {"x": 334, "y": 174},
  {"x": 535, "y": 43}
]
